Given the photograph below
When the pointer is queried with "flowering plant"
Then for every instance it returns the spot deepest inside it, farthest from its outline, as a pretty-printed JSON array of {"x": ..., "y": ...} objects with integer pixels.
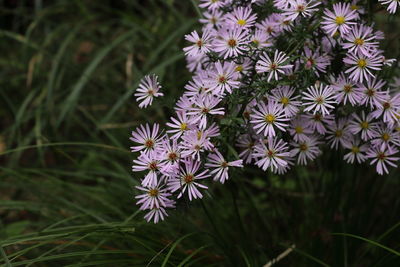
[{"x": 275, "y": 82}]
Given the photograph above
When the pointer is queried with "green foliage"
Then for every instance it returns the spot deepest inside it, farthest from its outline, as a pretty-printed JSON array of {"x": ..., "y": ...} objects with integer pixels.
[{"x": 68, "y": 71}]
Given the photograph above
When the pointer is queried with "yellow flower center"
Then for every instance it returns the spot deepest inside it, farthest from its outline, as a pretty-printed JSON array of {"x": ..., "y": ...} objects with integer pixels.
[
  {"x": 340, "y": 20},
  {"x": 303, "y": 147},
  {"x": 338, "y": 133},
  {"x": 285, "y": 100},
  {"x": 241, "y": 22},
  {"x": 239, "y": 68},
  {"x": 269, "y": 118},
  {"x": 362, "y": 63},
  {"x": 183, "y": 126},
  {"x": 385, "y": 136},
  {"x": 354, "y": 7},
  {"x": 359, "y": 41},
  {"x": 298, "y": 129},
  {"x": 199, "y": 134},
  {"x": 347, "y": 88},
  {"x": 355, "y": 149},
  {"x": 153, "y": 192},
  {"x": 364, "y": 125}
]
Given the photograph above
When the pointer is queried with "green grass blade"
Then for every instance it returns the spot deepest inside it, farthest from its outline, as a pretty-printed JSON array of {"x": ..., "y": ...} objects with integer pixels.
[
  {"x": 173, "y": 248},
  {"x": 185, "y": 260},
  {"x": 397, "y": 253}
]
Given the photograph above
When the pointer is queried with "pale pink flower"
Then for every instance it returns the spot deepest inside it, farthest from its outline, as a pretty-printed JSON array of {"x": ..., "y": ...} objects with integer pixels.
[
  {"x": 200, "y": 45},
  {"x": 271, "y": 153},
  {"x": 362, "y": 124},
  {"x": 361, "y": 66},
  {"x": 231, "y": 42},
  {"x": 220, "y": 166},
  {"x": 275, "y": 66},
  {"x": 223, "y": 78},
  {"x": 340, "y": 20},
  {"x": 306, "y": 150},
  {"x": 205, "y": 105},
  {"x": 148, "y": 89},
  {"x": 382, "y": 156},
  {"x": 357, "y": 151},
  {"x": 268, "y": 116},
  {"x": 241, "y": 17},
  {"x": 187, "y": 180},
  {"x": 392, "y": 5},
  {"x": 319, "y": 98},
  {"x": 147, "y": 138}
]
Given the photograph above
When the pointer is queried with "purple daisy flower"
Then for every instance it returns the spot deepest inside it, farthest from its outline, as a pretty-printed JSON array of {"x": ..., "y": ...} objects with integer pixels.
[
  {"x": 361, "y": 66},
  {"x": 299, "y": 129},
  {"x": 212, "y": 4},
  {"x": 362, "y": 124},
  {"x": 213, "y": 19},
  {"x": 294, "y": 8},
  {"x": 360, "y": 40},
  {"x": 339, "y": 133},
  {"x": 315, "y": 61},
  {"x": 147, "y": 138},
  {"x": 268, "y": 116},
  {"x": 223, "y": 78},
  {"x": 193, "y": 143},
  {"x": 147, "y": 163},
  {"x": 247, "y": 144},
  {"x": 154, "y": 196},
  {"x": 385, "y": 135},
  {"x": 147, "y": 90},
  {"x": 231, "y": 42},
  {"x": 180, "y": 125},
  {"x": 221, "y": 166},
  {"x": 260, "y": 39},
  {"x": 204, "y": 105},
  {"x": 372, "y": 96},
  {"x": 382, "y": 156},
  {"x": 357, "y": 151},
  {"x": 271, "y": 153},
  {"x": 306, "y": 150},
  {"x": 241, "y": 17},
  {"x": 319, "y": 98},
  {"x": 200, "y": 46},
  {"x": 389, "y": 110},
  {"x": 274, "y": 67},
  {"x": 186, "y": 180},
  {"x": 392, "y": 5},
  {"x": 340, "y": 20},
  {"x": 346, "y": 91},
  {"x": 285, "y": 96}
]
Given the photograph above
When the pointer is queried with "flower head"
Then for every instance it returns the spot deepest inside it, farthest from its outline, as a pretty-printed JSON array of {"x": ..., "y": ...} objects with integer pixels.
[
  {"x": 274, "y": 66},
  {"x": 148, "y": 89}
]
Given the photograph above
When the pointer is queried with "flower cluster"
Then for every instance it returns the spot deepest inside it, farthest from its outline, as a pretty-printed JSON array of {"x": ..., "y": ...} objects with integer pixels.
[{"x": 275, "y": 82}]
